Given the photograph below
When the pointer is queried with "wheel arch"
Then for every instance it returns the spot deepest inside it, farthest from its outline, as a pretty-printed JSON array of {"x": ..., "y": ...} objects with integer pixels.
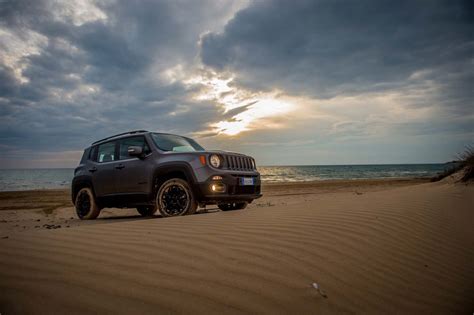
[
  {"x": 170, "y": 170},
  {"x": 77, "y": 185}
]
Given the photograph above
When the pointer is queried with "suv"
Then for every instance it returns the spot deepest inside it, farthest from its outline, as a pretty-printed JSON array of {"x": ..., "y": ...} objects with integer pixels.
[{"x": 153, "y": 171}]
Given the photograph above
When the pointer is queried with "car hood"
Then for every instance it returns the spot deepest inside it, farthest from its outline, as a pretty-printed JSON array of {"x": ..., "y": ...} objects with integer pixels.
[{"x": 223, "y": 152}]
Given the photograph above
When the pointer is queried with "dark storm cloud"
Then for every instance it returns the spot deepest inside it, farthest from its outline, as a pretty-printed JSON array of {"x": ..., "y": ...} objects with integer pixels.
[
  {"x": 22, "y": 12},
  {"x": 119, "y": 49},
  {"x": 8, "y": 86},
  {"x": 122, "y": 57},
  {"x": 329, "y": 48}
]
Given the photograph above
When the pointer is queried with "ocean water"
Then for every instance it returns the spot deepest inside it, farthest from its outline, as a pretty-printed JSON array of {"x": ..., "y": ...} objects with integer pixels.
[
  {"x": 27, "y": 179},
  {"x": 328, "y": 172}
]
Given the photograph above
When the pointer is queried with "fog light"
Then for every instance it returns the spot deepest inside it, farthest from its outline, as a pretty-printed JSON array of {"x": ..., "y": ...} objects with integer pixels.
[
  {"x": 218, "y": 187},
  {"x": 217, "y": 177}
]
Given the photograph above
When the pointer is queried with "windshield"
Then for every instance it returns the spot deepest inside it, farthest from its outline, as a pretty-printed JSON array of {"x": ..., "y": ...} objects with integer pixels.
[{"x": 175, "y": 143}]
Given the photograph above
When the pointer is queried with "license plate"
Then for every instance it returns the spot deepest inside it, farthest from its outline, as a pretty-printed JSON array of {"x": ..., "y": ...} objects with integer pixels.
[{"x": 246, "y": 181}]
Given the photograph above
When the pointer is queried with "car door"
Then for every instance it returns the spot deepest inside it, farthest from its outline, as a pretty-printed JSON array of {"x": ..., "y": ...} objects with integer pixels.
[
  {"x": 103, "y": 169},
  {"x": 135, "y": 173}
]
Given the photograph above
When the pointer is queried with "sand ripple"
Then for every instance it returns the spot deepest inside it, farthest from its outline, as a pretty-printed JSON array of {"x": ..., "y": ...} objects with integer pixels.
[{"x": 403, "y": 250}]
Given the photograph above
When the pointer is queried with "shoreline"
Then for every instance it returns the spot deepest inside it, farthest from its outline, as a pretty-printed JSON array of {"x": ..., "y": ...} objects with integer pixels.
[
  {"x": 42, "y": 208},
  {"x": 352, "y": 180},
  {"x": 320, "y": 182}
]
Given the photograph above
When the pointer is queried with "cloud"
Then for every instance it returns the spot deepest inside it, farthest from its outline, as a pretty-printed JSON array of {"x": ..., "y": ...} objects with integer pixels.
[
  {"x": 72, "y": 72},
  {"x": 327, "y": 48}
]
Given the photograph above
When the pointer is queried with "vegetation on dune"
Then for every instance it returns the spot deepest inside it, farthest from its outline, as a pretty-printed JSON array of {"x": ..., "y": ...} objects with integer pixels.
[
  {"x": 467, "y": 160},
  {"x": 447, "y": 172},
  {"x": 465, "y": 163}
]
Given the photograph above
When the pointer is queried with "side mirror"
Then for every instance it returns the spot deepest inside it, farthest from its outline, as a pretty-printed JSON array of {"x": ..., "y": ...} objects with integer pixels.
[{"x": 135, "y": 151}]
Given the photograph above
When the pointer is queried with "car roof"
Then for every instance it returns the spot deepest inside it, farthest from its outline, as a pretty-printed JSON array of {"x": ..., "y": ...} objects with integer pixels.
[
  {"x": 128, "y": 133},
  {"x": 121, "y": 134}
]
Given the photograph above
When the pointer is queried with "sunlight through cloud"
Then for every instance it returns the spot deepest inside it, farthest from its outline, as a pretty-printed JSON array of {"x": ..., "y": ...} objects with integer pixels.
[
  {"x": 248, "y": 119},
  {"x": 250, "y": 108}
]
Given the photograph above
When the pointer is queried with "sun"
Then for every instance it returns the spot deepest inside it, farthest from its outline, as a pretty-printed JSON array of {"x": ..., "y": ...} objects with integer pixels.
[
  {"x": 265, "y": 108},
  {"x": 230, "y": 128},
  {"x": 220, "y": 90}
]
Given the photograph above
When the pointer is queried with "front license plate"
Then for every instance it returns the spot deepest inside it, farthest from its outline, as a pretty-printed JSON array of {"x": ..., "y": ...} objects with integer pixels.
[{"x": 247, "y": 181}]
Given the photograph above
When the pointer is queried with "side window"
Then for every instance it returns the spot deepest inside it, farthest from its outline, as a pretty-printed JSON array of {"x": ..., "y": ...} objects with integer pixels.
[
  {"x": 133, "y": 141},
  {"x": 106, "y": 152},
  {"x": 85, "y": 156},
  {"x": 93, "y": 154}
]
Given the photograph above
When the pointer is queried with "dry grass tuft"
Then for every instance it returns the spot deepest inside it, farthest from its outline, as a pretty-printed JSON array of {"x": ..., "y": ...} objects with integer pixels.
[
  {"x": 464, "y": 163},
  {"x": 467, "y": 161}
]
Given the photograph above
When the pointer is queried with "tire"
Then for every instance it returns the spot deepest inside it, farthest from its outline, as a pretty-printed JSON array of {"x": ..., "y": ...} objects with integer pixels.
[
  {"x": 175, "y": 198},
  {"x": 147, "y": 211},
  {"x": 232, "y": 206},
  {"x": 86, "y": 206}
]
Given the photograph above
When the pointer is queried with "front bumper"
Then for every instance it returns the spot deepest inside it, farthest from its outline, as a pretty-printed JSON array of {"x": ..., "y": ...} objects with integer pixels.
[{"x": 234, "y": 190}]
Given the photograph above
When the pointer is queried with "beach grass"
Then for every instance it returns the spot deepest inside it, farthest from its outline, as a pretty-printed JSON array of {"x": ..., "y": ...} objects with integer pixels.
[
  {"x": 464, "y": 163},
  {"x": 467, "y": 158}
]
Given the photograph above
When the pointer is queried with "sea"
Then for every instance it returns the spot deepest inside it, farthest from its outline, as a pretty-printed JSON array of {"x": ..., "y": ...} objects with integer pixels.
[{"x": 28, "y": 179}]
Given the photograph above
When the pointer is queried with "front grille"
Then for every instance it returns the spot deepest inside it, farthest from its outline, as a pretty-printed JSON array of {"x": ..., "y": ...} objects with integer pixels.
[{"x": 239, "y": 163}]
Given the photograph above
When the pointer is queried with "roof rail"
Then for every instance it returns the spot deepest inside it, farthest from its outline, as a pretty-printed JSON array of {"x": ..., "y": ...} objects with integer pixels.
[{"x": 120, "y": 134}]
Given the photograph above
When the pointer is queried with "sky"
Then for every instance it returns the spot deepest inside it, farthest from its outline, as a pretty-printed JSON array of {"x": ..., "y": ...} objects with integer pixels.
[{"x": 287, "y": 82}]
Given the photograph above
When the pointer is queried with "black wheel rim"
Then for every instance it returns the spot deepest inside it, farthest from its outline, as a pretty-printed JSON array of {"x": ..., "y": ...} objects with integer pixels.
[
  {"x": 83, "y": 204},
  {"x": 174, "y": 199}
]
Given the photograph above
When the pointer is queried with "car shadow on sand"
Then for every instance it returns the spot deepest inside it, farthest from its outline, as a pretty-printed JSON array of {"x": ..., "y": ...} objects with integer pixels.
[{"x": 112, "y": 216}]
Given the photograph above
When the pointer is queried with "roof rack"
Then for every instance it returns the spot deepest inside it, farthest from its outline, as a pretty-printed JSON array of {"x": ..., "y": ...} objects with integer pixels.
[{"x": 120, "y": 134}]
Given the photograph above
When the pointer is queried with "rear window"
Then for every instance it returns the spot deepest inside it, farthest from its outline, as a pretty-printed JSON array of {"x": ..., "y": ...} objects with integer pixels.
[
  {"x": 106, "y": 152},
  {"x": 85, "y": 155}
]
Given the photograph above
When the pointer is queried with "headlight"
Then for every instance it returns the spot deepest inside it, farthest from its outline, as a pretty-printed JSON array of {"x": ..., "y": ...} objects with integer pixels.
[{"x": 215, "y": 161}]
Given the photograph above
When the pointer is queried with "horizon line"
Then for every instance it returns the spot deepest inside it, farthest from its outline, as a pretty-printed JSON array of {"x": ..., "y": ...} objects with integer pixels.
[{"x": 271, "y": 165}]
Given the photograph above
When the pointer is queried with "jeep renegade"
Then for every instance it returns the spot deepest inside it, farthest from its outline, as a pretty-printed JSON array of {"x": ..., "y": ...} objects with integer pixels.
[{"x": 153, "y": 171}]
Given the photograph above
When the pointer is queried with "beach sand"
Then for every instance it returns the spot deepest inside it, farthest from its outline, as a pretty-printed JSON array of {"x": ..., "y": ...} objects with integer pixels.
[{"x": 372, "y": 246}]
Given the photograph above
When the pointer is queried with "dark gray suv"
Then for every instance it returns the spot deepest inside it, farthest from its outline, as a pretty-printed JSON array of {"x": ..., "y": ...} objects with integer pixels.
[{"x": 157, "y": 171}]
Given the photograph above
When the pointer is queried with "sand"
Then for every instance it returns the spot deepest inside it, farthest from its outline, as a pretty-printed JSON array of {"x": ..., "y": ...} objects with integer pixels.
[{"x": 372, "y": 247}]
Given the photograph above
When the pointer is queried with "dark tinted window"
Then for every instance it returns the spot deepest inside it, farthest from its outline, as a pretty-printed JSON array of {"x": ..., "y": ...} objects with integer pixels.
[
  {"x": 133, "y": 141},
  {"x": 93, "y": 155},
  {"x": 85, "y": 156},
  {"x": 106, "y": 152}
]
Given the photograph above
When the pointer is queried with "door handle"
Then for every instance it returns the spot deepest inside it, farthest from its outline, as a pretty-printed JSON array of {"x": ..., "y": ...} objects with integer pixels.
[
  {"x": 120, "y": 166},
  {"x": 92, "y": 170}
]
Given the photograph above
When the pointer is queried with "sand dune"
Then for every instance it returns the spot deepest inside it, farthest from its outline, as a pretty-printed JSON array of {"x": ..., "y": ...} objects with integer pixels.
[{"x": 398, "y": 250}]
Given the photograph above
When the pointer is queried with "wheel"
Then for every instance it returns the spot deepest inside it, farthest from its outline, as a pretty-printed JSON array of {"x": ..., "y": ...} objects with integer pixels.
[
  {"x": 147, "y": 211},
  {"x": 86, "y": 207},
  {"x": 175, "y": 197},
  {"x": 232, "y": 206}
]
